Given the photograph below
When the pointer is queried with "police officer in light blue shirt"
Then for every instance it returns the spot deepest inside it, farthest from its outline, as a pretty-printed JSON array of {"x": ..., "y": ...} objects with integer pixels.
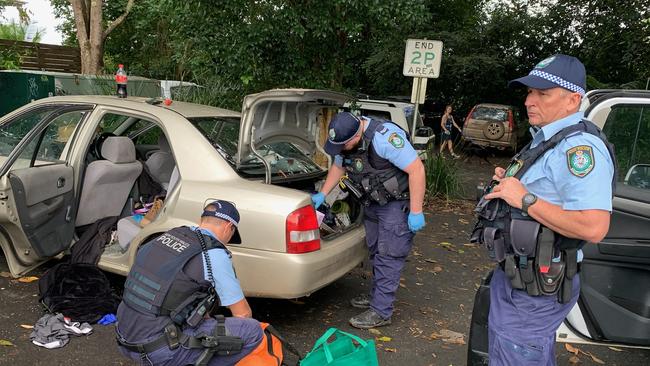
[
  {"x": 378, "y": 159},
  {"x": 568, "y": 190},
  {"x": 164, "y": 316}
]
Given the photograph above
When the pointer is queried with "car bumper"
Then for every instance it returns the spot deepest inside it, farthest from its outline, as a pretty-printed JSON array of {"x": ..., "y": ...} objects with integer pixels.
[{"x": 289, "y": 276}]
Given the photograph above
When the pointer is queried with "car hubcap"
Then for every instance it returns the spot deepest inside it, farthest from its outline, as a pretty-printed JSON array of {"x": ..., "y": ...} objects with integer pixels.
[{"x": 494, "y": 129}]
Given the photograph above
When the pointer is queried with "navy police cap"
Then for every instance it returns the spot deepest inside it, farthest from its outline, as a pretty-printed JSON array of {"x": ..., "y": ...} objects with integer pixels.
[
  {"x": 226, "y": 211},
  {"x": 342, "y": 128},
  {"x": 556, "y": 71}
]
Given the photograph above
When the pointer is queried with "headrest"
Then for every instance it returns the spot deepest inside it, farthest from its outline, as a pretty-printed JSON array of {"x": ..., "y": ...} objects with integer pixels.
[
  {"x": 118, "y": 149},
  {"x": 163, "y": 144}
]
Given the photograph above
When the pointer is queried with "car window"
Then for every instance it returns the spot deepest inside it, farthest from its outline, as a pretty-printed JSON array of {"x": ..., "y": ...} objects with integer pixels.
[
  {"x": 408, "y": 113},
  {"x": 628, "y": 128},
  {"x": 286, "y": 159},
  {"x": 495, "y": 114},
  {"x": 376, "y": 114},
  {"x": 47, "y": 147}
]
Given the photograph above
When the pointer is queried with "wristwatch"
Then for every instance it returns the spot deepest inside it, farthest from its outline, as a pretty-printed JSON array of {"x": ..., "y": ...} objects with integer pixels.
[{"x": 528, "y": 200}]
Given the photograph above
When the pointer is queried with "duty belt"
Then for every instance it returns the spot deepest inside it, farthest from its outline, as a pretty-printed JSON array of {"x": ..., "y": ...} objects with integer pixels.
[{"x": 173, "y": 337}]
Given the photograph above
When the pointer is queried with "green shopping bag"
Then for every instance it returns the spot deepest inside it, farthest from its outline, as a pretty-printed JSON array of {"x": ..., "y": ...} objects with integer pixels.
[{"x": 342, "y": 351}]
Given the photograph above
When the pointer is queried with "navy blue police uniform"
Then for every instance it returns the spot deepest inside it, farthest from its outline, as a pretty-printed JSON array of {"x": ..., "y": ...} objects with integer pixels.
[
  {"x": 175, "y": 281},
  {"x": 569, "y": 163}
]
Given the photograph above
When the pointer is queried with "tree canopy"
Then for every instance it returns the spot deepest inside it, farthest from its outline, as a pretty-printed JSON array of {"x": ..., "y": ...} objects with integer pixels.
[{"x": 244, "y": 46}]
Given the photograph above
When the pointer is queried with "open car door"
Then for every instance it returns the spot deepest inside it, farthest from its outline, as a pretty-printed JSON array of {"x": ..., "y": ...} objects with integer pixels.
[
  {"x": 37, "y": 195},
  {"x": 614, "y": 303}
]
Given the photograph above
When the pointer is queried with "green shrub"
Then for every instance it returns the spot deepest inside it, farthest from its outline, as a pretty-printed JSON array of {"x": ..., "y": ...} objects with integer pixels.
[{"x": 443, "y": 180}]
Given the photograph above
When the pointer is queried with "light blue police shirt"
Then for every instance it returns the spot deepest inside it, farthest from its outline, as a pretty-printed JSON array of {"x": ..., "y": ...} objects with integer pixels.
[
  {"x": 550, "y": 177},
  {"x": 225, "y": 281},
  {"x": 390, "y": 143}
]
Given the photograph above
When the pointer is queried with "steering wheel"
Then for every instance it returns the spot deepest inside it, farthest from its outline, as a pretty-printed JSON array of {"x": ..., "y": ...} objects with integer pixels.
[{"x": 96, "y": 148}]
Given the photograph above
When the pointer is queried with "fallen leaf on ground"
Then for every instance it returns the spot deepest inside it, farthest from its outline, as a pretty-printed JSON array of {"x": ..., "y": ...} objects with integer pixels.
[
  {"x": 374, "y": 331},
  {"x": 615, "y": 349},
  {"x": 593, "y": 358},
  {"x": 4, "y": 342},
  {"x": 574, "y": 360},
  {"x": 449, "y": 336},
  {"x": 463, "y": 221},
  {"x": 27, "y": 326},
  {"x": 28, "y": 279},
  {"x": 470, "y": 245},
  {"x": 460, "y": 251},
  {"x": 437, "y": 269},
  {"x": 431, "y": 260},
  {"x": 5, "y": 274},
  {"x": 384, "y": 339},
  {"x": 390, "y": 349},
  {"x": 571, "y": 349}
]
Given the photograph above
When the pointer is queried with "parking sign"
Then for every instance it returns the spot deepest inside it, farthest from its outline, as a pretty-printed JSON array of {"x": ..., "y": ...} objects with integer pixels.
[{"x": 422, "y": 58}]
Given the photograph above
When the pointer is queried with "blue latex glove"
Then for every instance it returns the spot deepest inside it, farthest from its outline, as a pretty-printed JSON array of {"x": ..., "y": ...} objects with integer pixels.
[
  {"x": 107, "y": 319},
  {"x": 318, "y": 199},
  {"x": 416, "y": 221}
]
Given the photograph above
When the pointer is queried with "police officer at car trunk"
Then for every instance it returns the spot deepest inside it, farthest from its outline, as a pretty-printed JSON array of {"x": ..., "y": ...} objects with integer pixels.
[
  {"x": 175, "y": 281},
  {"x": 381, "y": 163},
  {"x": 557, "y": 194}
]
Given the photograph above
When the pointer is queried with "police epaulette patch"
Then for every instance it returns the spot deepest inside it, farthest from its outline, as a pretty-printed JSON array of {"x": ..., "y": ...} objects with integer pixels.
[
  {"x": 396, "y": 140},
  {"x": 580, "y": 160}
]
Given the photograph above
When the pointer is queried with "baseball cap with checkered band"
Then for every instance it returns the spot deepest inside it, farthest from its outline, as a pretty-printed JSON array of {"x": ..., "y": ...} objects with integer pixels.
[{"x": 556, "y": 71}]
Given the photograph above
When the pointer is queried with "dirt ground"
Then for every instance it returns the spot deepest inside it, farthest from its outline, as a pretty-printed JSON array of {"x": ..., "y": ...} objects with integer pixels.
[{"x": 430, "y": 325}]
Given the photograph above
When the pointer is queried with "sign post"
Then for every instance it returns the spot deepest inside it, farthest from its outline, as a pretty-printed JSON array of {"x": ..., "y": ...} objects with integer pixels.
[{"x": 421, "y": 61}]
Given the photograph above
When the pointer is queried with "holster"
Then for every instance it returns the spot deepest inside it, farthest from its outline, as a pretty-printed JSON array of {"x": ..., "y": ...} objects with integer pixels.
[{"x": 218, "y": 343}]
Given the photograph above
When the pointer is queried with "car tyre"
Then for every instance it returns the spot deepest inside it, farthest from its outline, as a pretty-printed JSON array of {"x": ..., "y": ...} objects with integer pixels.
[{"x": 494, "y": 130}]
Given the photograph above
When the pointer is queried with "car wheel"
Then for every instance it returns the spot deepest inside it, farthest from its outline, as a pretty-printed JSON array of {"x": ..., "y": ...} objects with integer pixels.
[{"x": 494, "y": 130}]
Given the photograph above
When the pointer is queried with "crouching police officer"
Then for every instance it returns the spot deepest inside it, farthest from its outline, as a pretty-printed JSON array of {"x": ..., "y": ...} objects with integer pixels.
[
  {"x": 175, "y": 281},
  {"x": 555, "y": 196},
  {"x": 375, "y": 159}
]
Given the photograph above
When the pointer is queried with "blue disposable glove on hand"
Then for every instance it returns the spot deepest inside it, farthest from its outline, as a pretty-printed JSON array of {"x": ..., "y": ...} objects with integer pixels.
[
  {"x": 318, "y": 199},
  {"x": 416, "y": 221}
]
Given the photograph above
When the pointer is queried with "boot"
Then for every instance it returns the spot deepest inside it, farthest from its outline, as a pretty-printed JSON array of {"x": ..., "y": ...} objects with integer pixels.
[
  {"x": 361, "y": 302},
  {"x": 368, "y": 319}
]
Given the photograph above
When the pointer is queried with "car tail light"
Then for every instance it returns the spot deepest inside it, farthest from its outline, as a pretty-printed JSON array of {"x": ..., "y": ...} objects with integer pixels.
[
  {"x": 511, "y": 121},
  {"x": 303, "y": 235},
  {"x": 469, "y": 115}
]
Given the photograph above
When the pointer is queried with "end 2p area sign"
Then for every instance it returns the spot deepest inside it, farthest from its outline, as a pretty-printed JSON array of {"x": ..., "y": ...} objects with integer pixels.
[{"x": 422, "y": 58}]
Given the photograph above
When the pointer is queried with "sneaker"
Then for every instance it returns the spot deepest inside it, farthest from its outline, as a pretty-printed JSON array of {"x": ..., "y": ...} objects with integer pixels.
[
  {"x": 368, "y": 319},
  {"x": 361, "y": 302},
  {"x": 455, "y": 156},
  {"x": 76, "y": 327}
]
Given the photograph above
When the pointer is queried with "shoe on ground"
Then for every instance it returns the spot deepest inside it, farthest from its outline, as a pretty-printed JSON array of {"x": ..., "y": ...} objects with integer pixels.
[
  {"x": 455, "y": 156},
  {"x": 368, "y": 319},
  {"x": 361, "y": 302}
]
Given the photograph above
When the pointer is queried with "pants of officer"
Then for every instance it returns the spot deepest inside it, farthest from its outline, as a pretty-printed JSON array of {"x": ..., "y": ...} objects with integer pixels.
[
  {"x": 522, "y": 327},
  {"x": 389, "y": 242},
  {"x": 248, "y": 329}
]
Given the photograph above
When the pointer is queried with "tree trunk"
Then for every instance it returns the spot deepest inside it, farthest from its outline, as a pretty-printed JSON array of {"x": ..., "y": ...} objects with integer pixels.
[{"x": 91, "y": 34}]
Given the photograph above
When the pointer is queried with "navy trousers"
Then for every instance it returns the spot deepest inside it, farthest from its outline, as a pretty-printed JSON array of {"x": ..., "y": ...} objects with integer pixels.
[
  {"x": 389, "y": 242},
  {"x": 248, "y": 329},
  {"x": 522, "y": 327}
]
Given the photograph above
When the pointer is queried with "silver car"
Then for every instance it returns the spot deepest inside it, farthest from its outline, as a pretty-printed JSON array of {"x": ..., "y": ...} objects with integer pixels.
[{"x": 67, "y": 162}]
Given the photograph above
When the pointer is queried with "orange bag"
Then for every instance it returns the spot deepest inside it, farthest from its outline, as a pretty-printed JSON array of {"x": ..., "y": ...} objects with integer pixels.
[{"x": 269, "y": 351}]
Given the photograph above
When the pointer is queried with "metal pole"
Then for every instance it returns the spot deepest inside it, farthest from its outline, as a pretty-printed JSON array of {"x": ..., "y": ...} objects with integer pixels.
[
  {"x": 418, "y": 82},
  {"x": 638, "y": 127}
]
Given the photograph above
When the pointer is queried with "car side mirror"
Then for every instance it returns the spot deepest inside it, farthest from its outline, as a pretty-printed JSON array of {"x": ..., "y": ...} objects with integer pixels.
[
  {"x": 638, "y": 176},
  {"x": 424, "y": 132}
]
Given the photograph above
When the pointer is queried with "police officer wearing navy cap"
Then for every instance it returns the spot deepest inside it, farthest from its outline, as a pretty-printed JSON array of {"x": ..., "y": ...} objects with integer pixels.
[
  {"x": 553, "y": 198},
  {"x": 380, "y": 162},
  {"x": 177, "y": 278}
]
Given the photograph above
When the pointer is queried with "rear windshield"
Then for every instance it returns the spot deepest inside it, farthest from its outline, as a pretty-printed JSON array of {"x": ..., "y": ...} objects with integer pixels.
[
  {"x": 495, "y": 114},
  {"x": 286, "y": 159}
]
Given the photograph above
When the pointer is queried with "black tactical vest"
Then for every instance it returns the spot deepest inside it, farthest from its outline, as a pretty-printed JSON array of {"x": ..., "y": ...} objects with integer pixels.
[
  {"x": 157, "y": 284},
  {"x": 524, "y": 248},
  {"x": 380, "y": 180}
]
